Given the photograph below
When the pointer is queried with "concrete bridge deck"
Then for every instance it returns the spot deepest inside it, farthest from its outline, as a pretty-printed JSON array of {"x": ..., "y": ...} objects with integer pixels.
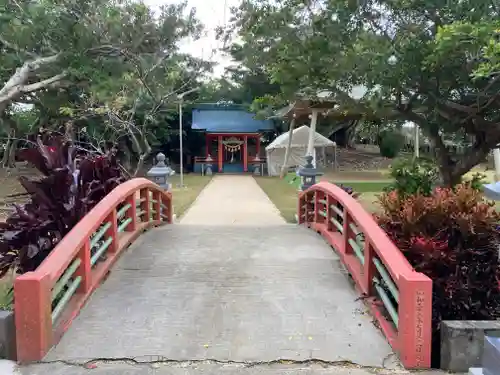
[{"x": 237, "y": 295}]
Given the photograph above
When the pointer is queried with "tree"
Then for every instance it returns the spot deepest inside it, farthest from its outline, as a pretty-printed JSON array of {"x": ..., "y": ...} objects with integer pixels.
[
  {"x": 49, "y": 44},
  {"x": 425, "y": 61},
  {"x": 113, "y": 74}
]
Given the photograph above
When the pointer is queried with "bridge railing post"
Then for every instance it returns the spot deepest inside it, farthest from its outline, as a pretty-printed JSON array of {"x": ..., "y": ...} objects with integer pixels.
[
  {"x": 157, "y": 205},
  {"x": 369, "y": 269},
  {"x": 316, "y": 198},
  {"x": 347, "y": 232},
  {"x": 145, "y": 204},
  {"x": 112, "y": 231},
  {"x": 131, "y": 213},
  {"x": 32, "y": 304},
  {"x": 321, "y": 207},
  {"x": 329, "y": 202},
  {"x": 415, "y": 320},
  {"x": 85, "y": 268},
  {"x": 166, "y": 200}
]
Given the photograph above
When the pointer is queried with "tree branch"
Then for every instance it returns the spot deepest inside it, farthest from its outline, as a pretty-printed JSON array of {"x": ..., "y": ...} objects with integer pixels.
[{"x": 16, "y": 85}]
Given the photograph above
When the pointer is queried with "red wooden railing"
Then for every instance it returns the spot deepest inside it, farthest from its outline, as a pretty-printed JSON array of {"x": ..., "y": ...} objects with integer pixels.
[
  {"x": 251, "y": 160},
  {"x": 399, "y": 297},
  {"x": 47, "y": 300}
]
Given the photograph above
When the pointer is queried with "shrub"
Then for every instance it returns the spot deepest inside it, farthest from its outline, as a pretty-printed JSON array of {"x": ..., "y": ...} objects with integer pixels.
[
  {"x": 451, "y": 236},
  {"x": 413, "y": 176},
  {"x": 71, "y": 185},
  {"x": 390, "y": 144},
  {"x": 476, "y": 181}
]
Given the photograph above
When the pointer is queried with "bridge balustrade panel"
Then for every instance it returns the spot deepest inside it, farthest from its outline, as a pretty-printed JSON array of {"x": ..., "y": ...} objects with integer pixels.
[
  {"x": 399, "y": 298},
  {"x": 47, "y": 300}
]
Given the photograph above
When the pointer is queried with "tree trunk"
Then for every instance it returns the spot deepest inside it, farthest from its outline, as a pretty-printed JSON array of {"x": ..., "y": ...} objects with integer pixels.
[
  {"x": 287, "y": 150},
  {"x": 11, "y": 159},
  {"x": 126, "y": 159},
  {"x": 351, "y": 134},
  {"x": 6, "y": 152},
  {"x": 453, "y": 167}
]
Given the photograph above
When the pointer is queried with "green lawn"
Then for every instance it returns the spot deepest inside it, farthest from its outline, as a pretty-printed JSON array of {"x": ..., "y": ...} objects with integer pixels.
[{"x": 284, "y": 193}]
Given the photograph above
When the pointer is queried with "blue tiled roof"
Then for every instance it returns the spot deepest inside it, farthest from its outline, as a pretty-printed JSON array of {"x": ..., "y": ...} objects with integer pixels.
[{"x": 228, "y": 120}]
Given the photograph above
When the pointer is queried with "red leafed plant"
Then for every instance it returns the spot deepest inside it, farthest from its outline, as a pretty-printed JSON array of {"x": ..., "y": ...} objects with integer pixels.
[
  {"x": 69, "y": 187},
  {"x": 452, "y": 237}
]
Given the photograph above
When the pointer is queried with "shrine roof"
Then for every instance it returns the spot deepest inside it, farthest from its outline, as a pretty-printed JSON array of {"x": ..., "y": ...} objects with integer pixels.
[{"x": 231, "y": 118}]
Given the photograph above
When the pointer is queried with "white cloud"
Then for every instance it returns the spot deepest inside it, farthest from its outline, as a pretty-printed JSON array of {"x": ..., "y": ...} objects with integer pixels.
[{"x": 212, "y": 13}]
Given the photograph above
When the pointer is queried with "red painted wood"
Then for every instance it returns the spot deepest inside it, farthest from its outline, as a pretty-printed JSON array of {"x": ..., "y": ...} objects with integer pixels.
[
  {"x": 84, "y": 270},
  {"x": 157, "y": 206},
  {"x": 413, "y": 338},
  {"x": 35, "y": 333},
  {"x": 145, "y": 204},
  {"x": 32, "y": 304},
  {"x": 132, "y": 212},
  {"x": 219, "y": 153},
  {"x": 245, "y": 153},
  {"x": 113, "y": 231}
]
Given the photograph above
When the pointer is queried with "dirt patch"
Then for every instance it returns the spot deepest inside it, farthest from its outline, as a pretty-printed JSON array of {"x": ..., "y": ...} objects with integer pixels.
[
  {"x": 9, "y": 185},
  {"x": 349, "y": 160}
]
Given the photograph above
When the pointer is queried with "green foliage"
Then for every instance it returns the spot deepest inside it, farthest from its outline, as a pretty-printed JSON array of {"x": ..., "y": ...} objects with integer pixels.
[
  {"x": 390, "y": 144},
  {"x": 413, "y": 176},
  {"x": 476, "y": 182},
  {"x": 114, "y": 73},
  {"x": 425, "y": 61}
]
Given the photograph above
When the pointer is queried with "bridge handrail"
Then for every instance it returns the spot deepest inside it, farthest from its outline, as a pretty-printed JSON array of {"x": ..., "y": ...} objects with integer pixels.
[
  {"x": 399, "y": 297},
  {"x": 48, "y": 299}
]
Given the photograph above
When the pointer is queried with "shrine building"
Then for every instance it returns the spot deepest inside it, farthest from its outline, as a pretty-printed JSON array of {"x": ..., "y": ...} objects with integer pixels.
[{"x": 232, "y": 137}]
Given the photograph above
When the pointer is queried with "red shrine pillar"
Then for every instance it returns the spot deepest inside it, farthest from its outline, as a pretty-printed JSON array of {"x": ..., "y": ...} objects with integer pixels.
[
  {"x": 245, "y": 153},
  {"x": 219, "y": 153},
  {"x": 258, "y": 145}
]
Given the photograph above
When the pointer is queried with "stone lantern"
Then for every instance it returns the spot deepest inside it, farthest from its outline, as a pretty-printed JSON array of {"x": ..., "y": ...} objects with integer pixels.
[
  {"x": 160, "y": 173},
  {"x": 208, "y": 168},
  {"x": 257, "y": 167},
  {"x": 308, "y": 174}
]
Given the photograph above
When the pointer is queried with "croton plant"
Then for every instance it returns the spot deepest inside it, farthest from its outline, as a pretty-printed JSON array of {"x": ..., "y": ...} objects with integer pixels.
[
  {"x": 70, "y": 184},
  {"x": 451, "y": 236}
]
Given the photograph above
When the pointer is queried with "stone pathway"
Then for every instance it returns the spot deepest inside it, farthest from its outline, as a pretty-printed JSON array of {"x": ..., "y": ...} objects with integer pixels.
[{"x": 232, "y": 200}]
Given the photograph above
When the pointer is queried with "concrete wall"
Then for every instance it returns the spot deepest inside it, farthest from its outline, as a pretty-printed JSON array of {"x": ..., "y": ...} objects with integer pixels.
[
  {"x": 7, "y": 335},
  {"x": 462, "y": 343}
]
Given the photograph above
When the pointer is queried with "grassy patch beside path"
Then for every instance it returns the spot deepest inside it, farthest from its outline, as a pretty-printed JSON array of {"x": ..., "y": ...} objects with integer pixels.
[
  {"x": 184, "y": 197},
  {"x": 284, "y": 194},
  {"x": 5, "y": 287}
]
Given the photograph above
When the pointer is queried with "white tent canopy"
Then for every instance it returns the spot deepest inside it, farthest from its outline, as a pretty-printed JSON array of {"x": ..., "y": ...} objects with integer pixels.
[{"x": 275, "y": 152}]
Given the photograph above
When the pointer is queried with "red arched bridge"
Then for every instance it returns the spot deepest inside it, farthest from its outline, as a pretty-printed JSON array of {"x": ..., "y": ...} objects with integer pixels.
[{"x": 231, "y": 293}]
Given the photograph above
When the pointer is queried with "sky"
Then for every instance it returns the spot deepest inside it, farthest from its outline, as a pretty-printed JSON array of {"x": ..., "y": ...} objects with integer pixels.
[{"x": 211, "y": 13}]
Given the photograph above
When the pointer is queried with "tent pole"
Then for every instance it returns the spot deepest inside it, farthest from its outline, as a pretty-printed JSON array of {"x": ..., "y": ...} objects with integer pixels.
[
  {"x": 287, "y": 150},
  {"x": 312, "y": 133}
]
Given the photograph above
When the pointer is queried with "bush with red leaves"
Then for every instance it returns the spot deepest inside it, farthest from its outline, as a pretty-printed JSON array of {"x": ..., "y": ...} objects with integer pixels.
[
  {"x": 71, "y": 185},
  {"x": 451, "y": 236}
]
